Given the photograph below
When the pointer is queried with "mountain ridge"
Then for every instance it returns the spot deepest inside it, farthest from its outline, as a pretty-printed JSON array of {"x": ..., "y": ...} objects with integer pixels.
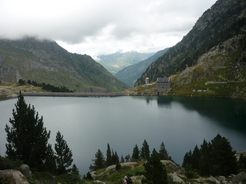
[
  {"x": 213, "y": 52},
  {"x": 119, "y": 60},
  {"x": 44, "y": 61},
  {"x": 223, "y": 20},
  {"x": 131, "y": 73}
]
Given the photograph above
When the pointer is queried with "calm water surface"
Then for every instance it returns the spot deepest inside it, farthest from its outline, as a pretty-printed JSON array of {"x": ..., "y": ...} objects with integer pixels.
[{"x": 89, "y": 124}]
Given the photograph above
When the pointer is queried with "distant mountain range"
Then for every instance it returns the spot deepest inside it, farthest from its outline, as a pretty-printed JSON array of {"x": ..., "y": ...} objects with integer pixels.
[
  {"x": 44, "y": 61},
  {"x": 130, "y": 74},
  {"x": 117, "y": 61},
  {"x": 211, "y": 57}
]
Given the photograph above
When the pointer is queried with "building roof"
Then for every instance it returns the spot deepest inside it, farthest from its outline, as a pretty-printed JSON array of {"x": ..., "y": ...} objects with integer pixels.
[{"x": 165, "y": 79}]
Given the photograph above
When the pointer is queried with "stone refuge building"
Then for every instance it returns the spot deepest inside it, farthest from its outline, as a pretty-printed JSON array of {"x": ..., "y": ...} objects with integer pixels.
[{"x": 163, "y": 84}]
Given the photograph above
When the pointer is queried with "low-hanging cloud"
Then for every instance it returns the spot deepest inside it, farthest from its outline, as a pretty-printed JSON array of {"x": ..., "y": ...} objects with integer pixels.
[{"x": 77, "y": 24}]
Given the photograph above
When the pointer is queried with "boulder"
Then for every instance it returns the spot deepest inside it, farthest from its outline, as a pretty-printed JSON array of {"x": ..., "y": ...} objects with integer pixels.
[
  {"x": 176, "y": 179},
  {"x": 25, "y": 170},
  {"x": 13, "y": 177},
  {"x": 98, "y": 182},
  {"x": 239, "y": 177},
  {"x": 170, "y": 165}
]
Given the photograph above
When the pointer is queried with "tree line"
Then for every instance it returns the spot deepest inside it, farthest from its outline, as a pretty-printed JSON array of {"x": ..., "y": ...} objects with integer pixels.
[
  {"x": 27, "y": 141},
  {"x": 213, "y": 158},
  {"x": 154, "y": 171},
  {"x": 112, "y": 156},
  {"x": 44, "y": 86}
]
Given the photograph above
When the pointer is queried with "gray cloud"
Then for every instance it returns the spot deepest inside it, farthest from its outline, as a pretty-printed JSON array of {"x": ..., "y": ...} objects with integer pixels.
[{"x": 104, "y": 26}]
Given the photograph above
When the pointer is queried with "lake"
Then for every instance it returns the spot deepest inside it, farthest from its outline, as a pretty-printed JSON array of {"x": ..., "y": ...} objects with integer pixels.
[{"x": 89, "y": 124}]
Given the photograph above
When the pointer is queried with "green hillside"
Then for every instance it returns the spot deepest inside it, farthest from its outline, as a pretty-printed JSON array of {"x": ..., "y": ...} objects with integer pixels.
[
  {"x": 45, "y": 61},
  {"x": 117, "y": 61},
  {"x": 130, "y": 74},
  {"x": 219, "y": 34}
]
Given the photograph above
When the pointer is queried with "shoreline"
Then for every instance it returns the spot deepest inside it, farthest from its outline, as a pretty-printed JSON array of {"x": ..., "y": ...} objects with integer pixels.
[{"x": 72, "y": 94}]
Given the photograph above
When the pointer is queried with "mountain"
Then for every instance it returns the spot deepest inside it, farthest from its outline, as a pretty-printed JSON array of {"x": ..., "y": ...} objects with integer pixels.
[
  {"x": 213, "y": 51},
  {"x": 44, "y": 61},
  {"x": 117, "y": 61},
  {"x": 130, "y": 74}
]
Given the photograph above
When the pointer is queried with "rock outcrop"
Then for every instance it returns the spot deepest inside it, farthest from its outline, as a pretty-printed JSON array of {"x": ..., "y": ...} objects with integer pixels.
[
  {"x": 25, "y": 170},
  {"x": 12, "y": 177}
]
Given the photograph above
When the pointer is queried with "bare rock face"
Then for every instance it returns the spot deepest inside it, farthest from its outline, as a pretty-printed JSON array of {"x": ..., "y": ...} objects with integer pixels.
[{"x": 12, "y": 177}]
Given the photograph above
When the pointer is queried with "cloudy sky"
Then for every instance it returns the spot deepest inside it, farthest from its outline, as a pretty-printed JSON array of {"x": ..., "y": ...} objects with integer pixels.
[{"x": 97, "y": 27}]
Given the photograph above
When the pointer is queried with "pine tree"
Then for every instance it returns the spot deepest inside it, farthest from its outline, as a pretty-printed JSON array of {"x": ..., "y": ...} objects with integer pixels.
[
  {"x": 99, "y": 161},
  {"x": 224, "y": 160},
  {"x": 127, "y": 158},
  {"x": 187, "y": 161},
  {"x": 163, "y": 152},
  {"x": 75, "y": 170},
  {"x": 145, "y": 150},
  {"x": 117, "y": 166},
  {"x": 155, "y": 171},
  {"x": 115, "y": 157},
  {"x": 109, "y": 156},
  {"x": 135, "y": 153},
  {"x": 195, "y": 158},
  {"x": 50, "y": 162},
  {"x": 122, "y": 159},
  {"x": 205, "y": 159},
  {"x": 63, "y": 154},
  {"x": 215, "y": 158},
  {"x": 27, "y": 138}
]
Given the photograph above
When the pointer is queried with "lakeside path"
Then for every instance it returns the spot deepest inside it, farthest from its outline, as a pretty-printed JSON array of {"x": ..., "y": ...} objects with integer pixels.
[{"x": 81, "y": 94}]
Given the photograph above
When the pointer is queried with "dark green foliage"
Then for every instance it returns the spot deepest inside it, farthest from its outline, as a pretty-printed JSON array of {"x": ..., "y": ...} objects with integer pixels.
[
  {"x": 75, "y": 170},
  {"x": 63, "y": 154},
  {"x": 122, "y": 159},
  {"x": 118, "y": 166},
  {"x": 109, "y": 156},
  {"x": 69, "y": 179},
  {"x": 242, "y": 162},
  {"x": 224, "y": 160},
  {"x": 187, "y": 160},
  {"x": 135, "y": 153},
  {"x": 5, "y": 163},
  {"x": 49, "y": 87},
  {"x": 215, "y": 158},
  {"x": 206, "y": 158},
  {"x": 22, "y": 82},
  {"x": 27, "y": 138},
  {"x": 99, "y": 161},
  {"x": 163, "y": 152},
  {"x": 145, "y": 150},
  {"x": 88, "y": 176},
  {"x": 43, "y": 177},
  {"x": 50, "y": 162},
  {"x": 127, "y": 158},
  {"x": 115, "y": 157},
  {"x": 155, "y": 171}
]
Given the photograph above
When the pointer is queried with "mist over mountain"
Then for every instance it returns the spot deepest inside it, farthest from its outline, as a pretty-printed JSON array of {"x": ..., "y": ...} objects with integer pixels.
[
  {"x": 213, "y": 52},
  {"x": 44, "y": 61},
  {"x": 130, "y": 74},
  {"x": 117, "y": 61}
]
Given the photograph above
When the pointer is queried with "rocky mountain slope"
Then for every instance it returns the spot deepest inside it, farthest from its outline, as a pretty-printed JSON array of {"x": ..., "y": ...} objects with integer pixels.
[
  {"x": 117, "y": 61},
  {"x": 130, "y": 74},
  {"x": 45, "y": 61},
  {"x": 217, "y": 41}
]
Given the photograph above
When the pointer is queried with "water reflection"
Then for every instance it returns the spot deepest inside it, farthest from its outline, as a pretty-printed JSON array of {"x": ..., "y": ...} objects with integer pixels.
[
  {"x": 230, "y": 113},
  {"x": 164, "y": 101}
]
